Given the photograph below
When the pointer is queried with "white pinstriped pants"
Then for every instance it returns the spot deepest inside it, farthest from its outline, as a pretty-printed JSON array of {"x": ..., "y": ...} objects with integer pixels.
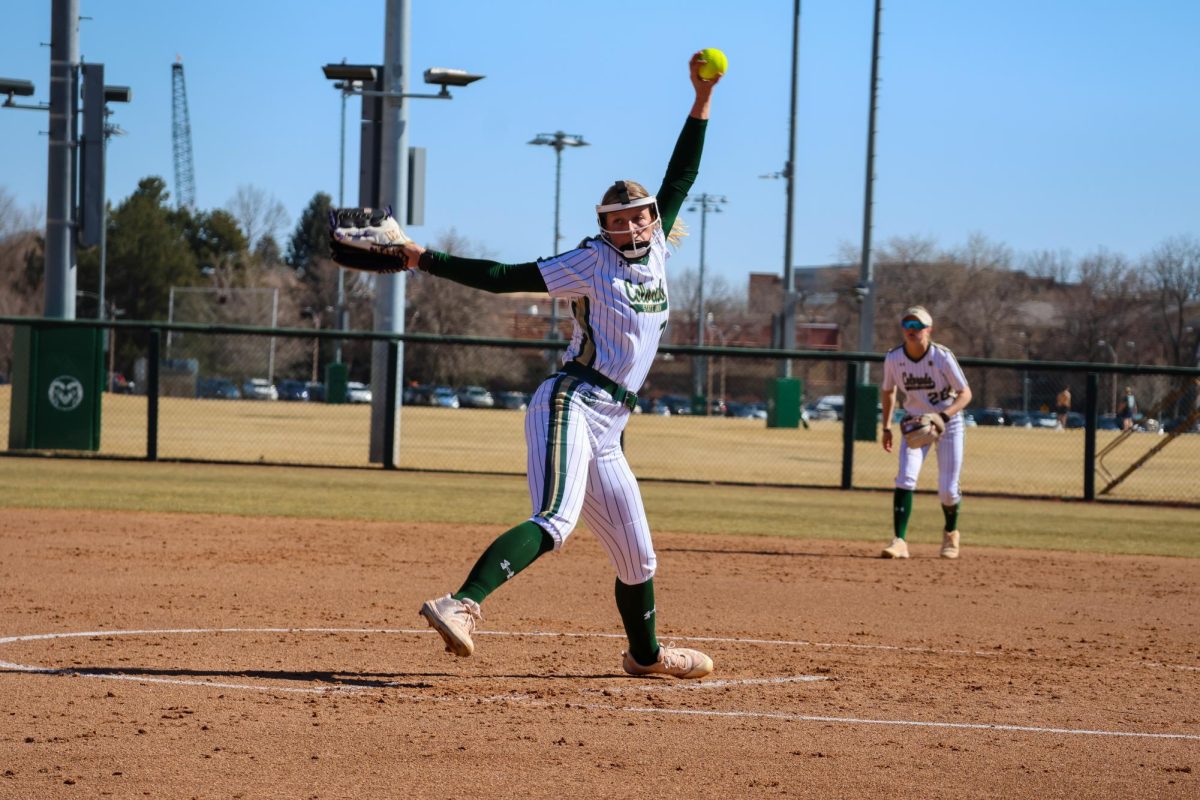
[
  {"x": 949, "y": 459},
  {"x": 576, "y": 465}
]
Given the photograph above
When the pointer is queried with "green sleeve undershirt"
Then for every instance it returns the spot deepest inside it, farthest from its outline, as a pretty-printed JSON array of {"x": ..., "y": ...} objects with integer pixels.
[
  {"x": 682, "y": 170},
  {"x": 492, "y": 276}
]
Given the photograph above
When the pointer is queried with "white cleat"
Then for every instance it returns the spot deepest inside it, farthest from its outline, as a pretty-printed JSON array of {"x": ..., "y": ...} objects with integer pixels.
[
  {"x": 679, "y": 662},
  {"x": 897, "y": 549},
  {"x": 454, "y": 620},
  {"x": 950, "y": 544}
]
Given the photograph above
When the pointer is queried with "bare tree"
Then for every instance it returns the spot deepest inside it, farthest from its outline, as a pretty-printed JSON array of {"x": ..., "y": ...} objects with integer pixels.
[
  {"x": 258, "y": 213},
  {"x": 1173, "y": 269},
  {"x": 1055, "y": 265},
  {"x": 436, "y": 305}
]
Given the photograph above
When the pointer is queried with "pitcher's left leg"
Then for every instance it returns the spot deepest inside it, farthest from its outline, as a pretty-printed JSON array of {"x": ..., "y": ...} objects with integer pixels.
[{"x": 613, "y": 509}]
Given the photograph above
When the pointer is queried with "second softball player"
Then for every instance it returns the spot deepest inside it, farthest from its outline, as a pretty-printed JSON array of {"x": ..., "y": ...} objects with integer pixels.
[{"x": 933, "y": 383}]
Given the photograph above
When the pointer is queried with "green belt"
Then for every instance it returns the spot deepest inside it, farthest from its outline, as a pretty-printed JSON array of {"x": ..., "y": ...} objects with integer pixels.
[{"x": 599, "y": 380}]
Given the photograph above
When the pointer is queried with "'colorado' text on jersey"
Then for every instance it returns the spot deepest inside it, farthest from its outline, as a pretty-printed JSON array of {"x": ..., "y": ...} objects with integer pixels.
[
  {"x": 620, "y": 307},
  {"x": 929, "y": 384}
]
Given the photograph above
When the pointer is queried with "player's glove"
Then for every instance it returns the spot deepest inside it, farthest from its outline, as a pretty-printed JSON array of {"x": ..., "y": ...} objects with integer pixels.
[
  {"x": 922, "y": 430},
  {"x": 367, "y": 239}
]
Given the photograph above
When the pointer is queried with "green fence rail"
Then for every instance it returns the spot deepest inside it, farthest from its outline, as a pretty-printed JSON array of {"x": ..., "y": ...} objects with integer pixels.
[{"x": 173, "y": 412}]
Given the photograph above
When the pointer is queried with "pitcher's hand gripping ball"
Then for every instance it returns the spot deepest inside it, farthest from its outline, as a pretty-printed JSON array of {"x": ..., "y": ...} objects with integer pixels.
[
  {"x": 367, "y": 239},
  {"x": 714, "y": 64},
  {"x": 923, "y": 430}
]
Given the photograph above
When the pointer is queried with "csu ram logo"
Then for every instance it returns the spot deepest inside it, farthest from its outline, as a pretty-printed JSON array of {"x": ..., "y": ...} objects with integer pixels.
[{"x": 66, "y": 393}]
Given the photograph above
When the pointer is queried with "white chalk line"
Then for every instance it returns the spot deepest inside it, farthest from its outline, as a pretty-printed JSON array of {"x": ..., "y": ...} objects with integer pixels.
[
  {"x": 992, "y": 653},
  {"x": 524, "y": 699}
]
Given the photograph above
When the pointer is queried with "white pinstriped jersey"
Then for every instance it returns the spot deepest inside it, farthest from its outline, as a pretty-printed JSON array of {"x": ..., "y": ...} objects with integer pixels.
[
  {"x": 620, "y": 307},
  {"x": 930, "y": 384}
]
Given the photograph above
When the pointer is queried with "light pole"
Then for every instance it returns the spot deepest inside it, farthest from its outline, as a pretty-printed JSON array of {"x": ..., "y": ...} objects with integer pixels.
[
  {"x": 345, "y": 88},
  {"x": 348, "y": 80},
  {"x": 866, "y": 275},
  {"x": 724, "y": 343},
  {"x": 1103, "y": 343},
  {"x": 1025, "y": 373},
  {"x": 704, "y": 204},
  {"x": 559, "y": 141}
]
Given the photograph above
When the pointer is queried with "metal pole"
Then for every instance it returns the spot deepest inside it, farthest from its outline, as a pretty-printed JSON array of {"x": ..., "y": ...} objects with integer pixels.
[
  {"x": 1089, "y": 436},
  {"x": 788, "y": 317},
  {"x": 341, "y": 274},
  {"x": 170, "y": 316},
  {"x": 389, "y": 289},
  {"x": 558, "y": 148},
  {"x": 274, "y": 322},
  {"x": 700, "y": 360},
  {"x": 866, "y": 277},
  {"x": 60, "y": 182}
]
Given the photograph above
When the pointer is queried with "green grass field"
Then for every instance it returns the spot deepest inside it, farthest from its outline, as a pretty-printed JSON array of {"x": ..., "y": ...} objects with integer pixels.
[
  {"x": 998, "y": 460},
  {"x": 500, "y": 501}
]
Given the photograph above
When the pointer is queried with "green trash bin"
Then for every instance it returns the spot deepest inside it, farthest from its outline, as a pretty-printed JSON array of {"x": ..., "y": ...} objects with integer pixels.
[
  {"x": 783, "y": 402},
  {"x": 336, "y": 377},
  {"x": 58, "y": 375},
  {"x": 866, "y": 412}
]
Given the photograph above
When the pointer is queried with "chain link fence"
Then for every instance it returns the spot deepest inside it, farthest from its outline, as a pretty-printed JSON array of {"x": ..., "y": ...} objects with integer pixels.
[{"x": 245, "y": 395}]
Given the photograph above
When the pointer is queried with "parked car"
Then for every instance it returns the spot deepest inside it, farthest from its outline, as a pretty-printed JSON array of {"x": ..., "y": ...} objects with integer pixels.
[
  {"x": 1108, "y": 422},
  {"x": 475, "y": 397},
  {"x": 259, "y": 389},
  {"x": 1017, "y": 419},
  {"x": 1043, "y": 419},
  {"x": 830, "y": 407},
  {"x": 218, "y": 389},
  {"x": 989, "y": 416},
  {"x": 747, "y": 410},
  {"x": 293, "y": 390},
  {"x": 517, "y": 401},
  {"x": 357, "y": 392},
  {"x": 316, "y": 391},
  {"x": 1075, "y": 419},
  {"x": 444, "y": 397},
  {"x": 417, "y": 394},
  {"x": 675, "y": 404}
]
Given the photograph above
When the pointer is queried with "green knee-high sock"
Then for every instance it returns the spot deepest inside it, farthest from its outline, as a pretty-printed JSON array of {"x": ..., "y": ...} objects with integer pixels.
[
  {"x": 902, "y": 500},
  {"x": 951, "y": 513},
  {"x": 636, "y": 604},
  {"x": 513, "y": 551}
]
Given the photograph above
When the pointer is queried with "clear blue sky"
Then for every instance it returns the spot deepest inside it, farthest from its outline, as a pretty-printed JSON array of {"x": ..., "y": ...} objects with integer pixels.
[{"x": 1043, "y": 124}]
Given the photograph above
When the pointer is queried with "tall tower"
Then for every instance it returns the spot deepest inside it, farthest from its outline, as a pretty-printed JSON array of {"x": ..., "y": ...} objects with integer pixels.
[{"x": 181, "y": 137}]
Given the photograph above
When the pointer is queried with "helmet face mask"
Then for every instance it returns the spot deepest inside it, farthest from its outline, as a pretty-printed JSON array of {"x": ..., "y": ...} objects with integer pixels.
[{"x": 628, "y": 224}]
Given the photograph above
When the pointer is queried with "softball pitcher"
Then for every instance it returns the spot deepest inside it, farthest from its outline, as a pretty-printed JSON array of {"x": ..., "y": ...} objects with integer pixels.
[
  {"x": 933, "y": 383},
  {"x": 617, "y": 287}
]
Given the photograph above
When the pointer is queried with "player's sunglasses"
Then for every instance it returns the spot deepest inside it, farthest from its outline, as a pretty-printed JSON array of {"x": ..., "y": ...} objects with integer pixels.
[{"x": 913, "y": 325}]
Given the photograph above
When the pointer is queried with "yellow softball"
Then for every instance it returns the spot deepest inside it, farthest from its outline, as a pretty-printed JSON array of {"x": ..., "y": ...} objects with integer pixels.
[{"x": 714, "y": 64}]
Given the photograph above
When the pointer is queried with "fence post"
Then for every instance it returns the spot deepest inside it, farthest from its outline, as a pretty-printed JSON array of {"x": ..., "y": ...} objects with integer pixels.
[
  {"x": 152, "y": 395},
  {"x": 389, "y": 407},
  {"x": 1091, "y": 404},
  {"x": 849, "y": 414}
]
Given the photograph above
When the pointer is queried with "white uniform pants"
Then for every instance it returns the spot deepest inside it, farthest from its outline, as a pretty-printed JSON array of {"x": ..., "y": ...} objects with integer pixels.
[
  {"x": 576, "y": 465},
  {"x": 949, "y": 459}
]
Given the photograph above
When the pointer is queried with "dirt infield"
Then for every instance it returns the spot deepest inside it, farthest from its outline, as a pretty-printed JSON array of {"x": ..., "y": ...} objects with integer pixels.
[{"x": 208, "y": 656}]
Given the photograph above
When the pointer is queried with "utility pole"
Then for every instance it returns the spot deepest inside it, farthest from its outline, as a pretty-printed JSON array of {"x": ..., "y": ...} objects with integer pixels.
[
  {"x": 866, "y": 276},
  {"x": 558, "y": 140},
  {"x": 704, "y": 204},
  {"x": 60, "y": 183}
]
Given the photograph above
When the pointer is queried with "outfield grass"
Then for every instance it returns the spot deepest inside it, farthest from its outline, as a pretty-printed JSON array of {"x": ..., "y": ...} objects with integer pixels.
[
  {"x": 998, "y": 460},
  {"x": 500, "y": 501}
]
